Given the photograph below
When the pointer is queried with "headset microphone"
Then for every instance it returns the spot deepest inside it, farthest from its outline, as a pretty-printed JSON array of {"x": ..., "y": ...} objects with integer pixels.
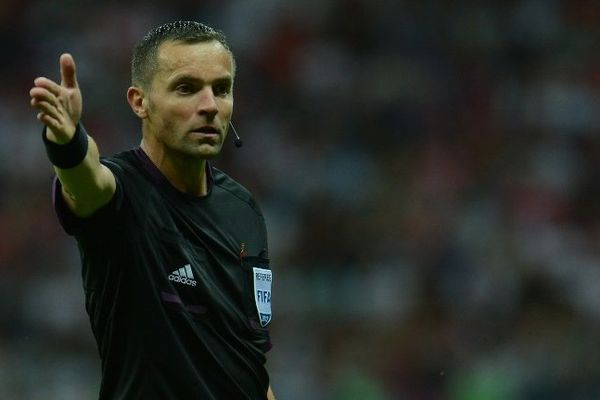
[{"x": 238, "y": 142}]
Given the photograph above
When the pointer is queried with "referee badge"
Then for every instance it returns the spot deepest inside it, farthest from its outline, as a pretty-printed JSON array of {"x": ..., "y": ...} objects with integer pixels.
[{"x": 262, "y": 293}]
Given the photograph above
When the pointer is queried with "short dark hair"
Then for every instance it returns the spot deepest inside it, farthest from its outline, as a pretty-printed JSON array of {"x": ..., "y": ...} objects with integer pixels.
[{"x": 144, "y": 62}]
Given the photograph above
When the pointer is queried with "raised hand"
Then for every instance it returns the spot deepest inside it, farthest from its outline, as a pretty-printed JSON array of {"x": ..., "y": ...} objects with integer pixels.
[{"x": 59, "y": 105}]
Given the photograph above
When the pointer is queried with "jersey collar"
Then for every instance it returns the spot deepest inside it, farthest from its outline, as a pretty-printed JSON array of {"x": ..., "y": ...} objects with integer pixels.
[{"x": 158, "y": 178}]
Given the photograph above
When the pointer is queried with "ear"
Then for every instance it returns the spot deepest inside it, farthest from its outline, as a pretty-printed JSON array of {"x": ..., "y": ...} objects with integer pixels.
[{"x": 137, "y": 101}]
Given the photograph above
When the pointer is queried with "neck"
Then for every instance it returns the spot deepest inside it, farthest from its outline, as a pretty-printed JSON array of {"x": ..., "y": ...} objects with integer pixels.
[{"x": 187, "y": 174}]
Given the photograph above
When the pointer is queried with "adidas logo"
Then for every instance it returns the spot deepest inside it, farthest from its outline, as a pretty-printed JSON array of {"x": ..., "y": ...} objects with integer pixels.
[{"x": 183, "y": 275}]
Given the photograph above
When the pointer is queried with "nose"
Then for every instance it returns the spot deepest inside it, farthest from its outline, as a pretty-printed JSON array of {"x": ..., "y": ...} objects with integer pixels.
[{"x": 207, "y": 104}]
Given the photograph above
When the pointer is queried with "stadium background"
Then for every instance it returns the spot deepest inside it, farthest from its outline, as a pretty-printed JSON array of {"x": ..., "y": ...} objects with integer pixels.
[{"x": 429, "y": 170}]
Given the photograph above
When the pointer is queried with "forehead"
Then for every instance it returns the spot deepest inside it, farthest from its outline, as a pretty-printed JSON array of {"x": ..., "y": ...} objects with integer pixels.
[{"x": 206, "y": 60}]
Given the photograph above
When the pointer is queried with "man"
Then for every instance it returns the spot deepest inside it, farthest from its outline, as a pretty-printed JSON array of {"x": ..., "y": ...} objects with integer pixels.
[{"x": 174, "y": 252}]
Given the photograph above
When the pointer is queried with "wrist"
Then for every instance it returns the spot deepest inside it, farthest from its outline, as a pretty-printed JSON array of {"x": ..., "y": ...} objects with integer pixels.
[
  {"x": 59, "y": 138},
  {"x": 69, "y": 154}
]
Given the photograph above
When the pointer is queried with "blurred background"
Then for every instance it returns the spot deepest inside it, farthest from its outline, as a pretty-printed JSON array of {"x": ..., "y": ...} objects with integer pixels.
[{"x": 430, "y": 173}]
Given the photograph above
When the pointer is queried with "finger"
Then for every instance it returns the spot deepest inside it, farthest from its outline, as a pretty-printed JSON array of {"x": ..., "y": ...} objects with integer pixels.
[
  {"x": 48, "y": 84},
  {"x": 40, "y": 94},
  {"x": 47, "y": 108},
  {"x": 48, "y": 121},
  {"x": 68, "y": 71}
]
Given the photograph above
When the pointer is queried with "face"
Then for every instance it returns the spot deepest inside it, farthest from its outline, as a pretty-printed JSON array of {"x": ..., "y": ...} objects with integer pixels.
[{"x": 190, "y": 101}]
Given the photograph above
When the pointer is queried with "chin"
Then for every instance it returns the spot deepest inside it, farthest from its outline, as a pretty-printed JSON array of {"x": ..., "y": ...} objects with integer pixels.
[{"x": 207, "y": 152}]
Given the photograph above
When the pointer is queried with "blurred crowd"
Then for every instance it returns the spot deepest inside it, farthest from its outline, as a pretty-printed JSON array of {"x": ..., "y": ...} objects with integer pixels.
[{"x": 429, "y": 171}]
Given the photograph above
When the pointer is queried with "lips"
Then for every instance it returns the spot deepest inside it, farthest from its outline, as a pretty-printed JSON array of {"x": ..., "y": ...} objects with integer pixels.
[{"x": 207, "y": 130}]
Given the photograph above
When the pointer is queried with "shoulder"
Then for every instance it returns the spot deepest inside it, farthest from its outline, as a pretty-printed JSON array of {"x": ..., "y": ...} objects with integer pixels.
[
  {"x": 129, "y": 168},
  {"x": 133, "y": 180},
  {"x": 120, "y": 161},
  {"x": 234, "y": 188}
]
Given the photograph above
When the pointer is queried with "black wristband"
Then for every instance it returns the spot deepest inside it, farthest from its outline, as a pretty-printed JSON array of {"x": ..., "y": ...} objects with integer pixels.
[{"x": 70, "y": 154}]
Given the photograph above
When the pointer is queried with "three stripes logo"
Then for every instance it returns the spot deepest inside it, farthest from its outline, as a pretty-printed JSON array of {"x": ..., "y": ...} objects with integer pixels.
[{"x": 183, "y": 275}]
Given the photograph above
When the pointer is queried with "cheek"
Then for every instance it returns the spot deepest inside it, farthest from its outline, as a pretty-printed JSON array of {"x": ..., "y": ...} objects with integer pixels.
[
  {"x": 173, "y": 114},
  {"x": 226, "y": 109},
  {"x": 182, "y": 107},
  {"x": 177, "y": 110}
]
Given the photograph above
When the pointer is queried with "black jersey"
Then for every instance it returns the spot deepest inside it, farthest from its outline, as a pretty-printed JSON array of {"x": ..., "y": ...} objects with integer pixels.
[{"x": 177, "y": 287}]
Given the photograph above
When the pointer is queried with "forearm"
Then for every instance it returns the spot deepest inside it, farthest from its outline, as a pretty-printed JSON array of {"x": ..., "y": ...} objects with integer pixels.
[{"x": 88, "y": 185}]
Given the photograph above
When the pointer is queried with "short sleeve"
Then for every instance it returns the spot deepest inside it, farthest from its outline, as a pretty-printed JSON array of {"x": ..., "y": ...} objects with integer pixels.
[{"x": 74, "y": 225}]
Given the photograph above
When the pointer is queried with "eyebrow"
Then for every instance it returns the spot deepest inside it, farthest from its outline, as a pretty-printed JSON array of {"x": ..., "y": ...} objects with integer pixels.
[{"x": 190, "y": 78}]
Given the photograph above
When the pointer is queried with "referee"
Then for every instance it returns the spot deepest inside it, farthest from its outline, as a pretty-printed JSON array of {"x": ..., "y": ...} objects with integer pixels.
[{"x": 174, "y": 252}]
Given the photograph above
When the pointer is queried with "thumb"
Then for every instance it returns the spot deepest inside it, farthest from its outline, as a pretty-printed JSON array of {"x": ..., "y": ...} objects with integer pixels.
[{"x": 67, "y": 71}]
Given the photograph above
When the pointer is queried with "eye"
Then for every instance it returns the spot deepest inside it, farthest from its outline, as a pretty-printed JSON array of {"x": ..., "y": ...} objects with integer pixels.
[
  {"x": 222, "y": 89},
  {"x": 184, "y": 88}
]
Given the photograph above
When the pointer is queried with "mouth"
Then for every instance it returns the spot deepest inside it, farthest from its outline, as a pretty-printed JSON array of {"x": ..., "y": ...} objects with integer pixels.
[{"x": 206, "y": 130}]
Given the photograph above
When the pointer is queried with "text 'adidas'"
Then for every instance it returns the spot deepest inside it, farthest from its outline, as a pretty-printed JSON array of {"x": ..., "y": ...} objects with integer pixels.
[{"x": 183, "y": 275}]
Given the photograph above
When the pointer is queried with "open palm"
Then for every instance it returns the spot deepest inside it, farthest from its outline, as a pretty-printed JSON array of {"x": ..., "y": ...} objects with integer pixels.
[{"x": 59, "y": 106}]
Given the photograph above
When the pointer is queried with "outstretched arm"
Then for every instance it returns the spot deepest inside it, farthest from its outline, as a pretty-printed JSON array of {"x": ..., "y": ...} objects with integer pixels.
[{"x": 88, "y": 185}]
